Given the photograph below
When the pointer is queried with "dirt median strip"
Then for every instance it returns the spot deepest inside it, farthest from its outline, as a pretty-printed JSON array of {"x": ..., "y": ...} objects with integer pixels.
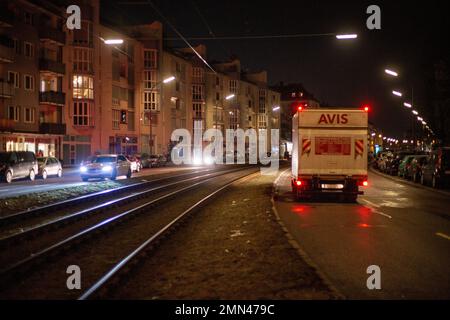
[{"x": 232, "y": 249}]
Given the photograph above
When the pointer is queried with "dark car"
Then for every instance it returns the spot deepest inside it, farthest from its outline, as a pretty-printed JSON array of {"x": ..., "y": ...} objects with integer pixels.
[
  {"x": 436, "y": 170},
  {"x": 18, "y": 164},
  {"x": 415, "y": 170},
  {"x": 392, "y": 165},
  {"x": 404, "y": 166}
]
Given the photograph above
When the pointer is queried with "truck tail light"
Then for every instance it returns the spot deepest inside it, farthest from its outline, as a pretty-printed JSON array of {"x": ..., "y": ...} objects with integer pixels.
[
  {"x": 365, "y": 183},
  {"x": 298, "y": 183}
]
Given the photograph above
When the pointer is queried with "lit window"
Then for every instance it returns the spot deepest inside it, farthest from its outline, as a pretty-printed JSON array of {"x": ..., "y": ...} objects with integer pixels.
[
  {"x": 151, "y": 100},
  {"x": 83, "y": 87}
]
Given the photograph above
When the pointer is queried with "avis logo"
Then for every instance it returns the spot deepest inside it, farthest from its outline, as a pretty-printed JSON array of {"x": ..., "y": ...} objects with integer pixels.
[{"x": 333, "y": 119}]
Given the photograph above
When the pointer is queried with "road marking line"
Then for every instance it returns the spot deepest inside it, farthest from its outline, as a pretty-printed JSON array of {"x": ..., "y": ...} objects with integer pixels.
[
  {"x": 279, "y": 177},
  {"x": 371, "y": 203},
  {"x": 439, "y": 234},
  {"x": 374, "y": 210}
]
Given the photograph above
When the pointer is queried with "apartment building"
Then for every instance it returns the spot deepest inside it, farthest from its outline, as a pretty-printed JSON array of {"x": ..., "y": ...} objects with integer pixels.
[
  {"x": 73, "y": 93},
  {"x": 32, "y": 72}
]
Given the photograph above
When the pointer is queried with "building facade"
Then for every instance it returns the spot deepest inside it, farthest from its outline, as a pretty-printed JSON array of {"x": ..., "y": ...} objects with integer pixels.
[{"x": 72, "y": 94}]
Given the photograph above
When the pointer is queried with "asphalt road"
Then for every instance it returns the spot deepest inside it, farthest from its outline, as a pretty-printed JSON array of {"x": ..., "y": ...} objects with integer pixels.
[
  {"x": 70, "y": 178},
  {"x": 403, "y": 229}
]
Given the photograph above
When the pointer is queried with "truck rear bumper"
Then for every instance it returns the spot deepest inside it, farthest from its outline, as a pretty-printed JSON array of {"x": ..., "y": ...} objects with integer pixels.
[{"x": 314, "y": 185}]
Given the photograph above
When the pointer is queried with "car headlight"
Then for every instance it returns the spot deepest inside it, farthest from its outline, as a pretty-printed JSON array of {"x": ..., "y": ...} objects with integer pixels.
[
  {"x": 83, "y": 169},
  {"x": 107, "y": 169}
]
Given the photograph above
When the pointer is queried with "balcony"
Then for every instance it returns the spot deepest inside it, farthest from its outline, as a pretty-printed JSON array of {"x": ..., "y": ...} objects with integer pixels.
[
  {"x": 52, "y": 66},
  {"x": 6, "y": 17},
  {"x": 52, "y": 34},
  {"x": 52, "y": 128},
  {"x": 6, "y": 53},
  {"x": 52, "y": 97},
  {"x": 6, "y": 89}
]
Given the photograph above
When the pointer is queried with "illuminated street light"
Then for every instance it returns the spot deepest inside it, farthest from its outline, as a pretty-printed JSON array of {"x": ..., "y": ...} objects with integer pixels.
[
  {"x": 391, "y": 73},
  {"x": 231, "y": 96},
  {"x": 346, "y": 36},
  {"x": 415, "y": 112},
  {"x": 397, "y": 93},
  {"x": 408, "y": 105},
  {"x": 113, "y": 41},
  {"x": 170, "y": 79},
  {"x": 420, "y": 118},
  {"x": 276, "y": 108}
]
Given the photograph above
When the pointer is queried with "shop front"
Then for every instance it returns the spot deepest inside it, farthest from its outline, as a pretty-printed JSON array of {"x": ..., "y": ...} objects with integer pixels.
[{"x": 42, "y": 146}]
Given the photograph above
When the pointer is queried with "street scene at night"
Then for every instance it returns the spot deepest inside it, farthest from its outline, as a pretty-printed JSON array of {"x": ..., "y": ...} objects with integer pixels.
[{"x": 224, "y": 157}]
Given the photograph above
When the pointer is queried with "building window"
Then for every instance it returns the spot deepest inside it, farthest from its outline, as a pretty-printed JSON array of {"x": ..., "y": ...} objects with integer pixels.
[
  {"x": 197, "y": 109},
  {"x": 123, "y": 116},
  {"x": 29, "y": 50},
  {"x": 115, "y": 95},
  {"x": 82, "y": 113},
  {"x": 29, "y": 114},
  {"x": 149, "y": 79},
  {"x": 115, "y": 119},
  {"x": 217, "y": 96},
  {"x": 233, "y": 118},
  {"x": 151, "y": 100},
  {"x": 29, "y": 82},
  {"x": 13, "y": 78},
  {"x": 17, "y": 48},
  {"x": 85, "y": 35},
  {"x": 28, "y": 18},
  {"x": 198, "y": 74},
  {"x": 150, "y": 59},
  {"x": 83, "y": 87},
  {"x": 217, "y": 81},
  {"x": 234, "y": 86},
  {"x": 262, "y": 121},
  {"x": 262, "y": 101},
  {"x": 197, "y": 92},
  {"x": 82, "y": 60},
  {"x": 13, "y": 113}
]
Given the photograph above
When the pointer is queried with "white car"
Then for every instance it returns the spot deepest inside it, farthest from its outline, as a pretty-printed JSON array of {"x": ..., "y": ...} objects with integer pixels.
[{"x": 105, "y": 166}]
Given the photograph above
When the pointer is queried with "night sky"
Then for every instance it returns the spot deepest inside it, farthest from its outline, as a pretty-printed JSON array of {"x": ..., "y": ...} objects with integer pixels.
[{"x": 340, "y": 73}]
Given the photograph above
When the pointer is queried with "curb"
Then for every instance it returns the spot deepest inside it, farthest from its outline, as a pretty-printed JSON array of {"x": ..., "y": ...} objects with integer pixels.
[{"x": 410, "y": 183}]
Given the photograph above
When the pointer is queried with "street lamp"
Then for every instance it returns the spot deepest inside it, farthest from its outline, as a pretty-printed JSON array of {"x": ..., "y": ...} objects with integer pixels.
[
  {"x": 397, "y": 93},
  {"x": 346, "y": 36},
  {"x": 391, "y": 72},
  {"x": 229, "y": 97},
  {"x": 415, "y": 112},
  {"x": 112, "y": 41},
  {"x": 169, "y": 79},
  {"x": 408, "y": 105}
]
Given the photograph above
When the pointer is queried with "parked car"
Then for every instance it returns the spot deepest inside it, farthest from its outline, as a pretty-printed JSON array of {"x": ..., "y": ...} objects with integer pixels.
[
  {"x": 135, "y": 163},
  {"x": 162, "y": 161},
  {"x": 145, "y": 160},
  {"x": 404, "y": 165},
  {"x": 392, "y": 165},
  {"x": 415, "y": 170},
  {"x": 153, "y": 161},
  {"x": 49, "y": 166},
  {"x": 17, "y": 164},
  {"x": 436, "y": 170},
  {"x": 105, "y": 166}
]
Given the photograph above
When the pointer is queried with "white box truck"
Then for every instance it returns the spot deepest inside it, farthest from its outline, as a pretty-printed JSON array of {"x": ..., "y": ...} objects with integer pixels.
[{"x": 329, "y": 152}]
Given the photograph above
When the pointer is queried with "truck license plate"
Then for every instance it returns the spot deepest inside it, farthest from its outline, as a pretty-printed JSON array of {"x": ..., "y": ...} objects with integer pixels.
[{"x": 332, "y": 186}]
